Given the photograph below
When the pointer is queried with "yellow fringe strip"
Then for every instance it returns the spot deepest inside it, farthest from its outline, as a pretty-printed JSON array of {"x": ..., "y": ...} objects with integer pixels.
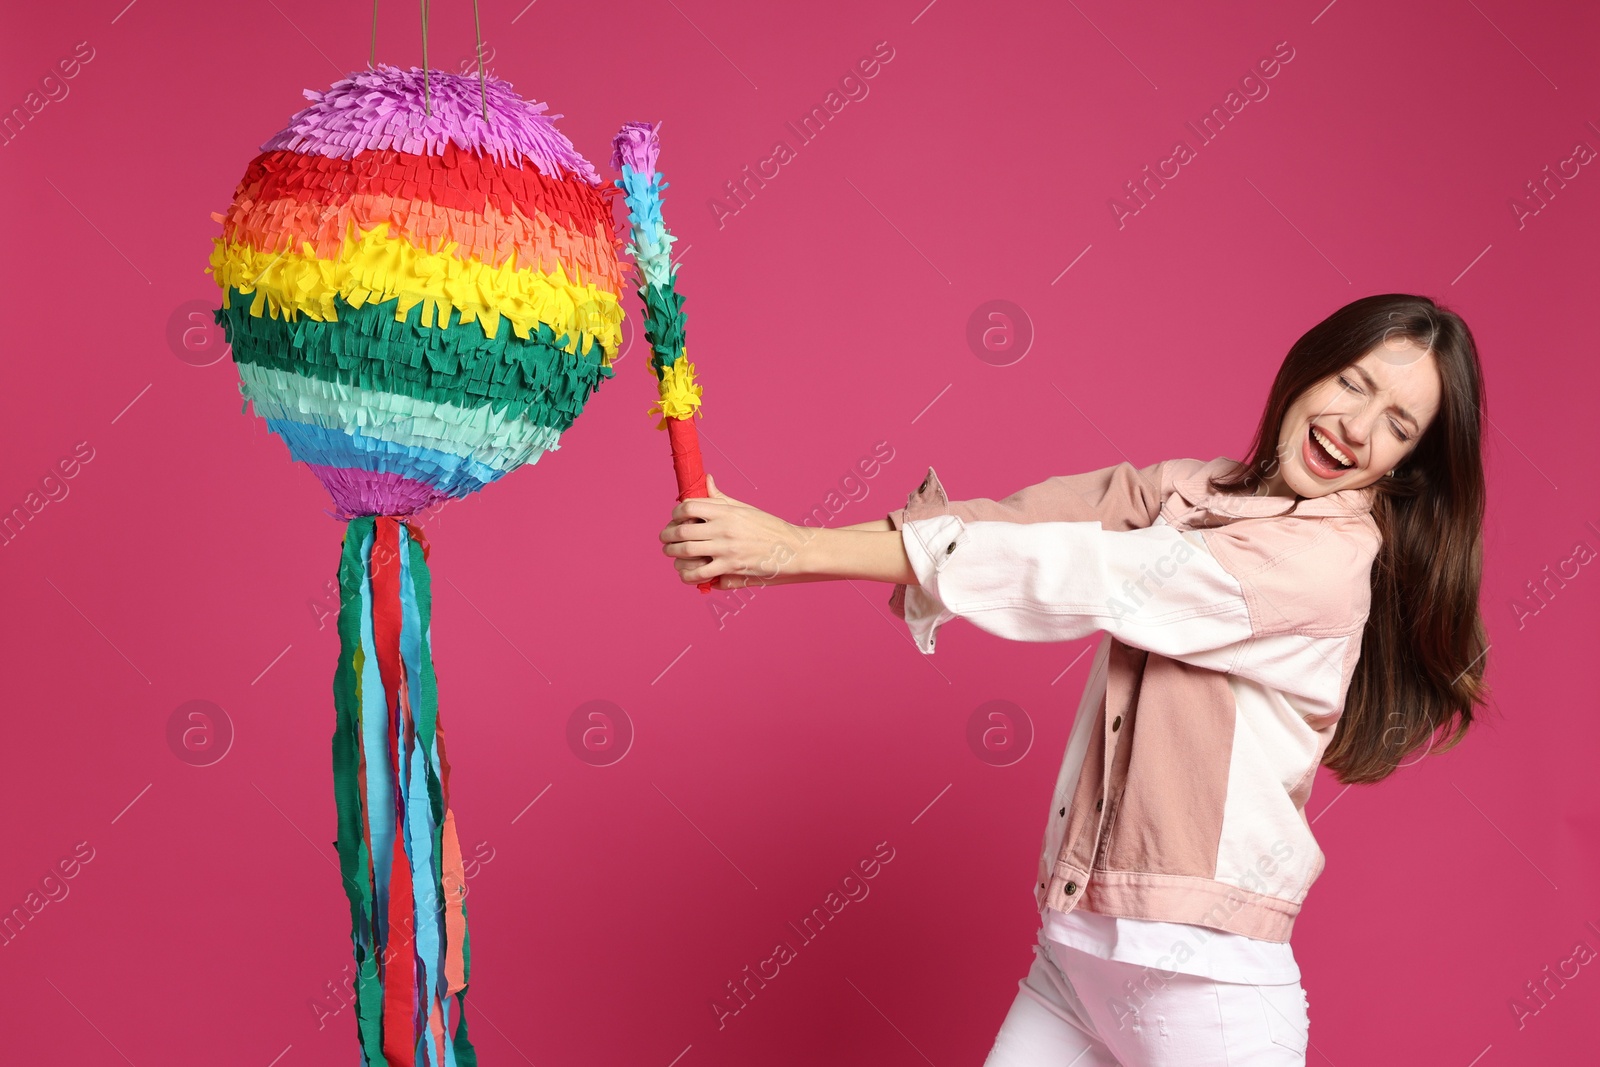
[
  {"x": 680, "y": 396},
  {"x": 377, "y": 268}
]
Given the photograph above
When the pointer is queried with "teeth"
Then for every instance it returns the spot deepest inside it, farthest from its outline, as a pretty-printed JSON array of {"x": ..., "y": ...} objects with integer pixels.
[{"x": 1333, "y": 449}]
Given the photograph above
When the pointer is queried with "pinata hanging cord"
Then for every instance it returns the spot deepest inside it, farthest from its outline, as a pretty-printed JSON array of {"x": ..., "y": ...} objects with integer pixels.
[
  {"x": 477, "y": 35},
  {"x": 427, "y": 103}
]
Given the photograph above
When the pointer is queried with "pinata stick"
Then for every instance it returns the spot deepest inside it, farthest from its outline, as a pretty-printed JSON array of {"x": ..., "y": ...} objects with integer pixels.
[
  {"x": 686, "y": 459},
  {"x": 633, "y": 152}
]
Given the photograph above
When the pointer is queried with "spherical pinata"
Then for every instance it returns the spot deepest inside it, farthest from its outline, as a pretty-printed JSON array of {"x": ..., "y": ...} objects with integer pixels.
[{"x": 420, "y": 286}]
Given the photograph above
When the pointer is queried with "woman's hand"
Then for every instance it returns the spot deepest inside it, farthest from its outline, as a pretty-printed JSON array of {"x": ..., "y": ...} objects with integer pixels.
[
  {"x": 718, "y": 537},
  {"x": 731, "y": 544}
]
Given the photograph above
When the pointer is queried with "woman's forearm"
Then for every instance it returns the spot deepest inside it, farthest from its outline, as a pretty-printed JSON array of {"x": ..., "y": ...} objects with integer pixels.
[{"x": 870, "y": 551}]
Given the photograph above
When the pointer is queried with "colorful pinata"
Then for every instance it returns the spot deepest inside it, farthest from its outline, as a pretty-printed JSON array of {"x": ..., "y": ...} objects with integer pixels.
[
  {"x": 418, "y": 303},
  {"x": 421, "y": 289}
]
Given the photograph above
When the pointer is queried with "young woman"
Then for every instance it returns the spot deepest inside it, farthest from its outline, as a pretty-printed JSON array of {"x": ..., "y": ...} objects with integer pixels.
[{"x": 1316, "y": 604}]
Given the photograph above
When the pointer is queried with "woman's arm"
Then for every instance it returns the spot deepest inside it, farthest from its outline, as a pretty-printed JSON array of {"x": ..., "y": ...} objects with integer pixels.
[
  {"x": 736, "y": 545},
  {"x": 720, "y": 538},
  {"x": 1281, "y": 602},
  {"x": 874, "y": 525}
]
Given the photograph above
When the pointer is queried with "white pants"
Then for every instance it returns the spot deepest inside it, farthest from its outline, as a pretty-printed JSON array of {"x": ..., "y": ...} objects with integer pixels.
[{"x": 1074, "y": 1009}]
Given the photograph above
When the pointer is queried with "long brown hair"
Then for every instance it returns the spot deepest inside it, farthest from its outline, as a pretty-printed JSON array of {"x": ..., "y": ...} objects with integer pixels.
[{"x": 1421, "y": 670}]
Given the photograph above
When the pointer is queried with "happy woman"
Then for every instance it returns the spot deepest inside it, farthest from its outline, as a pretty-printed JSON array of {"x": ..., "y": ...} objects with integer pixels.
[{"x": 1315, "y": 604}]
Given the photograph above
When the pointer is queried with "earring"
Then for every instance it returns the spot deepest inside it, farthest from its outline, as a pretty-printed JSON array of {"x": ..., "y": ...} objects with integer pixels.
[{"x": 1391, "y": 474}]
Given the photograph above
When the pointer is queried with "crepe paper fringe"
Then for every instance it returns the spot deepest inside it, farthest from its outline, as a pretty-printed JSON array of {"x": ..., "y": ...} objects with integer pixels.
[
  {"x": 479, "y": 433},
  {"x": 634, "y": 152},
  {"x": 455, "y": 178},
  {"x": 680, "y": 396},
  {"x": 638, "y": 145},
  {"x": 489, "y": 237},
  {"x": 369, "y": 346},
  {"x": 353, "y": 468},
  {"x": 411, "y": 459},
  {"x": 357, "y": 493},
  {"x": 373, "y": 266},
  {"x": 385, "y": 108},
  {"x": 365, "y": 452},
  {"x": 286, "y": 198},
  {"x": 408, "y": 917}
]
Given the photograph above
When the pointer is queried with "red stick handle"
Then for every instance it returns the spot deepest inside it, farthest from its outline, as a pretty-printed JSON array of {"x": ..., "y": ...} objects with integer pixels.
[{"x": 686, "y": 465}]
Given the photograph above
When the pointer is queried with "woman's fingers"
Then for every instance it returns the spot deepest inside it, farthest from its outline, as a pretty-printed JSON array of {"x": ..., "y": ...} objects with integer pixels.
[
  {"x": 686, "y": 538},
  {"x": 728, "y": 542},
  {"x": 686, "y": 529},
  {"x": 689, "y": 568},
  {"x": 692, "y": 570},
  {"x": 701, "y": 507}
]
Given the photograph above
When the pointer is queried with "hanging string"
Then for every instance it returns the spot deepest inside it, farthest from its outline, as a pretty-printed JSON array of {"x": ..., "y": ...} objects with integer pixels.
[
  {"x": 483, "y": 93},
  {"x": 427, "y": 101},
  {"x": 372, "y": 61}
]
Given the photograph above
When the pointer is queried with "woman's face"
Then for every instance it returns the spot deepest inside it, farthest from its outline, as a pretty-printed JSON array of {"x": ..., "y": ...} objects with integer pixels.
[{"x": 1372, "y": 413}]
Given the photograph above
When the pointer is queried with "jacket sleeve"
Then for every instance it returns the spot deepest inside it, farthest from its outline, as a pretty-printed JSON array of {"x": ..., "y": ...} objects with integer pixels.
[
  {"x": 1119, "y": 497},
  {"x": 1278, "y": 602}
]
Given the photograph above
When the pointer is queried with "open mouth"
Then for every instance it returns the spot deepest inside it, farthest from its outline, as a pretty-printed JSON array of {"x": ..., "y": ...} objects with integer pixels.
[{"x": 1325, "y": 457}]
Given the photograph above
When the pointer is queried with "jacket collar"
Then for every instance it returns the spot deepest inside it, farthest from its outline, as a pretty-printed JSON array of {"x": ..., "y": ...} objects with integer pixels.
[{"x": 1192, "y": 489}]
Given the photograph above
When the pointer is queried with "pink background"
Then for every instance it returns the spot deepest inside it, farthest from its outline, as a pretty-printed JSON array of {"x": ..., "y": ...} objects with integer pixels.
[{"x": 775, "y": 747}]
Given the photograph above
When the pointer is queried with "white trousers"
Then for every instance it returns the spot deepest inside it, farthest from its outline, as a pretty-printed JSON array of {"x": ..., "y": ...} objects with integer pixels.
[{"x": 1074, "y": 1009}]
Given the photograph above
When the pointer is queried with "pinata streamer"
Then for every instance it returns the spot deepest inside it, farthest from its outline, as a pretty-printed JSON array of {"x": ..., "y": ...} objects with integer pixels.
[
  {"x": 421, "y": 289},
  {"x": 634, "y": 151}
]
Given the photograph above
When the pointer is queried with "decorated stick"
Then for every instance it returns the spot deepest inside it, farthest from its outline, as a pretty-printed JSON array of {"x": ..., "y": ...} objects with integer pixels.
[{"x": 634, "y": 152}]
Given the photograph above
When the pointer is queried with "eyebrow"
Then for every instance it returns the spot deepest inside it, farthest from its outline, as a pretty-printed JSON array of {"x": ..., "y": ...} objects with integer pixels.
[{"x": 1359, "y": 369}]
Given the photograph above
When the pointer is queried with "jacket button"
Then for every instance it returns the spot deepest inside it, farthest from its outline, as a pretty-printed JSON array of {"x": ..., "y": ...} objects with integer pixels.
[
  {"x": 951, "y": 547},
  {"x": 1099, "y": 803},
  {"x": 1116, "y": 723},
  {"x": 1063, "y": 811},
  {"x": 1071, "y": 888}
]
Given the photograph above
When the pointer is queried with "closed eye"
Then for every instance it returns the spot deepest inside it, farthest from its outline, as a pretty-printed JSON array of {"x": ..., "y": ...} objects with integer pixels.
[{"x": 1398, "y": 432}]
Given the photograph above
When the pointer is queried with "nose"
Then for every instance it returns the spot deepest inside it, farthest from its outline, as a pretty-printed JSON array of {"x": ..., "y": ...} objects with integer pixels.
[{"x": 1356, "y": 427}]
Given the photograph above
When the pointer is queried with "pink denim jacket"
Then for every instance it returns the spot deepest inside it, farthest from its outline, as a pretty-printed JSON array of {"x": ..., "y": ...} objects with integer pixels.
[{"x": 1231, "y": 635}]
